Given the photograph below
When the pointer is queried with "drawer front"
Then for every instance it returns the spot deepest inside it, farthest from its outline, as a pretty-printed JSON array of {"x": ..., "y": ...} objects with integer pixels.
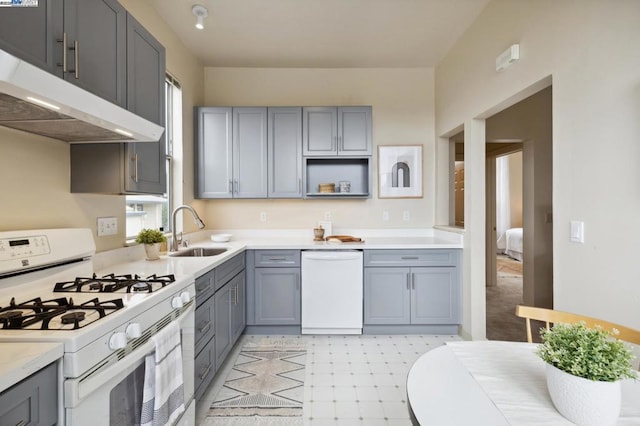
[
  {"x": 228, "y": 270},
  {"x": 32, "y": 401},
  {"x": 277, "y": 258},
  {"x": 423, "y": 257},
  {"x": 204, "y": 368},
  {"x": 204, "y": 287},
  {"x": 204, "y": 325}
]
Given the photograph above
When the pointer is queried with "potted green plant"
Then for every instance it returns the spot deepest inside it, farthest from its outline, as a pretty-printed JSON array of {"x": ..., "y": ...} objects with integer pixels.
[
  {"x": 151, "y": 238},
  {"x": 584, "y": 369}
]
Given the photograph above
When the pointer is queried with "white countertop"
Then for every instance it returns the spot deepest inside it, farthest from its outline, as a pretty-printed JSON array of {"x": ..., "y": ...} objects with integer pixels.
[
  {"x": 133, "y": 261},
  {"x": 20, "y": 360}
]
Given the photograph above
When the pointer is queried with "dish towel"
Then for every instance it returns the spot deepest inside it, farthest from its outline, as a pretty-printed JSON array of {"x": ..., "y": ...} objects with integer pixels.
[{"x": 163, "y": 393}]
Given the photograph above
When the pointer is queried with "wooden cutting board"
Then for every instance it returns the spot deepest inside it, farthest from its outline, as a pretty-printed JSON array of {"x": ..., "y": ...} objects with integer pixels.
[{"x": 344, "y": 239}]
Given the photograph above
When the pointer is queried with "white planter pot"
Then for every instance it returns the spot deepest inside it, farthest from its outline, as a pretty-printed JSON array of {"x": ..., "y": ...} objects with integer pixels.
[
  {"x": 584, "y": 402},
  {"x": 152, "y": 251}
]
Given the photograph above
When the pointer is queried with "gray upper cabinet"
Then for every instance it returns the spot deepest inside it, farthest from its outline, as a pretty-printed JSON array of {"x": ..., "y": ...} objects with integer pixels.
[
  {"x": 82, "y": 41},
  {"x": 214, "y": 152},
  {"x": 284, "y": 150},
  {"x": 231, "y": 152},
  {"x": 96, "y": 35},
  {"x": 329, "y": 131},
  {"x": 146, "y": 162},
  {"x": 30, "y": 33},
  {"x": 134, "y": 168},
  {"x": 249, "y": 152}
]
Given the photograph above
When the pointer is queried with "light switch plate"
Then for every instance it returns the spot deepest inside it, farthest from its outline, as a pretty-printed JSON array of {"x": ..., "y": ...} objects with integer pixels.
[
  {"x": 107, "y": 226},
  {"x": 577, "y": 231}
]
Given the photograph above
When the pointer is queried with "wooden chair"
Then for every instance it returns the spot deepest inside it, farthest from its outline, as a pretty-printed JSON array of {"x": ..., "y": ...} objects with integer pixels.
[{"x": 550, "y": 316}]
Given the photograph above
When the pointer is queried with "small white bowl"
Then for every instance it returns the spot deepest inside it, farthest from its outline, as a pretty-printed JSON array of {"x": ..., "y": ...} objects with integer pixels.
[{"x": 220, "y": 238}]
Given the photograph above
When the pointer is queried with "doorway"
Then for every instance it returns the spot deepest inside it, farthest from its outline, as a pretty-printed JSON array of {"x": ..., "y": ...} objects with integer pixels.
[{"x": 525, "y": 237}]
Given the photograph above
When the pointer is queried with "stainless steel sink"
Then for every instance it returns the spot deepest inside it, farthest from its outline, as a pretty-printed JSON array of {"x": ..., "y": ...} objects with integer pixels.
[{"x": 198, "y": 252}]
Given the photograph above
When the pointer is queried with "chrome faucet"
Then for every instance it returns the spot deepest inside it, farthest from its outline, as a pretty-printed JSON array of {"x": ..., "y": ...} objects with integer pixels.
[{"x": 174, "y": 240}]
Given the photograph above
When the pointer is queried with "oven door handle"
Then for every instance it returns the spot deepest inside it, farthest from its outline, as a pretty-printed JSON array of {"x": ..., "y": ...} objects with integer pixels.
[{"x": 76, "y": 390}]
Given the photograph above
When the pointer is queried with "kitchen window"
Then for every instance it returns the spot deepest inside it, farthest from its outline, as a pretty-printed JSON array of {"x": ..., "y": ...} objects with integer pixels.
[{"x": 154, "y": 211}]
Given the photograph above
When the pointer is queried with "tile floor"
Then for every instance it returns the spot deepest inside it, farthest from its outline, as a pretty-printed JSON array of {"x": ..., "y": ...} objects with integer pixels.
[{"x": 351, "y": 380}]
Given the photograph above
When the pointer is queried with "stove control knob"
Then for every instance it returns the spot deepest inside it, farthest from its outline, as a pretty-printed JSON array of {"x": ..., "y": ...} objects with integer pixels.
[
  {"x": 118, "y": 340},
  {"x": 133, "y": 331},
  {"x": 185, "y": 296},
  {"x": 176, "y": 302}
]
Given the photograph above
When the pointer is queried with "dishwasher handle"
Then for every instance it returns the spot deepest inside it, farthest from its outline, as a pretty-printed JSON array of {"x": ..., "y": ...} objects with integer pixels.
[{"x": 332, "y": 255}]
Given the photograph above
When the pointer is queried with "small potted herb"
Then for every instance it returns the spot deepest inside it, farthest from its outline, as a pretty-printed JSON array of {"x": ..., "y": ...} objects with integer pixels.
[
  {"x": 151, "y": 238},
  {"x": 584, "y": 369}
]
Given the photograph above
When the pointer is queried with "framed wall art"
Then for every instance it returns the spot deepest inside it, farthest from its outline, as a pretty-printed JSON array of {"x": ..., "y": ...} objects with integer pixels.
[{"x": 400, "y": 171}]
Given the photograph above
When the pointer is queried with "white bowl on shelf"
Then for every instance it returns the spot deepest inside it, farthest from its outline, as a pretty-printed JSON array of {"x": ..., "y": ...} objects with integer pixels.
[{"x": 220, "y": 238}]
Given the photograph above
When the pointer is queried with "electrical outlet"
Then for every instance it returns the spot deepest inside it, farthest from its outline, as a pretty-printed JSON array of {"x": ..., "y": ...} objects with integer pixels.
[
  {"x": 327, "y": 215},
  {"x": 406, "y": 216},
  {"x": 263, "y": 216},
  {"x": 385, "y": 216},
  {"x": 107, "y": 226}
]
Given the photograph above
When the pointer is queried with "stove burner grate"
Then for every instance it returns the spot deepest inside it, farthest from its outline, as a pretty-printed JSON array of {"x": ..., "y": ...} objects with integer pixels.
[
  {"x": 38, "y": 314},
  {"x": 112, "y": 283}
]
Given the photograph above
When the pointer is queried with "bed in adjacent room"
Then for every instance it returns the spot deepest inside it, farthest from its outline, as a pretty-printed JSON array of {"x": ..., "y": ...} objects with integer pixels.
[{"x": 510, "y": 243}]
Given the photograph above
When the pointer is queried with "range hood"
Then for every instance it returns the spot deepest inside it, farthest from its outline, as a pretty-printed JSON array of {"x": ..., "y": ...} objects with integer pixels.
[{"x": 36, "y": 101}]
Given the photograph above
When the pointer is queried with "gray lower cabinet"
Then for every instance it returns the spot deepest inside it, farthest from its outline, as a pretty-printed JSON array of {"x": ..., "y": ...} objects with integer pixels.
[
  {"x": 273, "y": 289},
  {"x": 400, "y": 290},
  {"x": 229, "y": 316},
  {"x": 204, "y": 333},
  {"x": 219, "y": 318},
  {"x": 33, "y": 401}
]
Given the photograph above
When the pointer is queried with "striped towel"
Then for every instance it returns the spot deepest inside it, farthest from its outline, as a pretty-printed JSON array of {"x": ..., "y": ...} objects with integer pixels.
[{"x": 163, "y": 394}]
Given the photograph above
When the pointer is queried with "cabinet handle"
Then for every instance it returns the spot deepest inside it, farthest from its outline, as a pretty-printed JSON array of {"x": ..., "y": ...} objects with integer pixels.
[
  {"x": 230, "y": 186},
  {"x": 299, "y": 185},
  {"x": 277, "y": 258},
  {"x": 205, "y": 372},
  {"x": 205, "y": 328},
  {"x": 64, "y": 52},
  {"x": 409, "y": 258},
  {"x": 203, "y": 288},
  {"x": 340, "y": 144},
  {"x": 334, "y": 145},
  {"x": 237, "y": 185},
  {"x": 75, "y": 58},
  {"x": 135, "y": 167},
  {"x": 413, "y": 281},
  {"x": 76, "y": 49},
  {"x": 408, "y": 281}
]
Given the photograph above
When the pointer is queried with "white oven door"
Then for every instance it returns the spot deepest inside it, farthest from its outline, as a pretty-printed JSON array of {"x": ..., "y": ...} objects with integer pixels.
[{"x": 112, "y": 395}]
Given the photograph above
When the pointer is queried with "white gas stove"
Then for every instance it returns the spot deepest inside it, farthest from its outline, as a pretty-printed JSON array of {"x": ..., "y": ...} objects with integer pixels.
[{"x": 49, "y": 293}]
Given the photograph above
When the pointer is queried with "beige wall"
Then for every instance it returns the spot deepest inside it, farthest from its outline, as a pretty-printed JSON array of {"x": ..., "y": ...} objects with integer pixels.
[
  {"x": 402, "y": 101},
  {"x": 584, "y": 47},
  {"x": 34, "y": 170}
]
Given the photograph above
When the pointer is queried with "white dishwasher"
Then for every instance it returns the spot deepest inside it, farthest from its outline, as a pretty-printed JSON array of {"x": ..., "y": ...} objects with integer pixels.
[{"x": 332, "y": 290}]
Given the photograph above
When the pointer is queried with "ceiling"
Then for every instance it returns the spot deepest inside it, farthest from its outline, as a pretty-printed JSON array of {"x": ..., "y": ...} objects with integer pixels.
[{"x": 321, "y": 33}]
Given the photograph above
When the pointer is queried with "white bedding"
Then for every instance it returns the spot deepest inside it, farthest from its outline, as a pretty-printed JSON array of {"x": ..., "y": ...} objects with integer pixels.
[{"x": 510, "y": 243}]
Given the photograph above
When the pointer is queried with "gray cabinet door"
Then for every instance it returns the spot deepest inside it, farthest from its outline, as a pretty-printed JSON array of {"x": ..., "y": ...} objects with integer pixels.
[
  {"x": 285, "y": 152},
  {"x": 387, "y": 296},
  {"x": 320, "y": 131},
  {"x": 214, "y": 153},
  {"x": 146, "y": 162},
  {"x": 277, "y": 296},
  {"x": 96, "y": 45},
  {"x": 222, "y": 312},
  {"x": 33, "y": 401},
  {"x": 354, "y": 130},
  {"x": 434, "y": 295},
  {"x": 238, "y": 321},
  {"x": 30, "y": 33},
  {"x": 249, "y": 152}
]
